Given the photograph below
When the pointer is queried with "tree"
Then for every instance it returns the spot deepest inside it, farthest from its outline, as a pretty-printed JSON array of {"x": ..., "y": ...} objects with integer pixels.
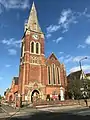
[
  {"x": 87, "y": 87},
  {"x": 74, "y": 87},
  {"x": 0, "y": 97}
]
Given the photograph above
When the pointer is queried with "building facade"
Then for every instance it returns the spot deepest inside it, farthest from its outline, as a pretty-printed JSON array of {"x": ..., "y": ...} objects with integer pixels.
[
  {"x": 39, "y": 77},
  {"x": 11, "y": 92}
]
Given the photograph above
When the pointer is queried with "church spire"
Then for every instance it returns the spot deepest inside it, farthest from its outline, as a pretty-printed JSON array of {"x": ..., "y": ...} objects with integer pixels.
[{"x": 33, "y": 20}]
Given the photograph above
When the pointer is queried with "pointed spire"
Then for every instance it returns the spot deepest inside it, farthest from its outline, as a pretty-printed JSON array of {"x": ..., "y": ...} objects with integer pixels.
[
  {"x": 33, "y": 20},
  {"x": 33, "y": 6}
]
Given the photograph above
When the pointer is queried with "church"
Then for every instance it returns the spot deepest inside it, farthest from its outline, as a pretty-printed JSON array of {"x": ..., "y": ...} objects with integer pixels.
[{"x": 40, "y": 78}]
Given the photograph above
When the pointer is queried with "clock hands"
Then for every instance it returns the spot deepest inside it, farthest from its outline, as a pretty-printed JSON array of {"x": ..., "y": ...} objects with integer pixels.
[{"x": 35, "y": 36}]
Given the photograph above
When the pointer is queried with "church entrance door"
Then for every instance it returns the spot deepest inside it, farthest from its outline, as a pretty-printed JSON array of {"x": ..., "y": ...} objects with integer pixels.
[{"x": 34, "y": 96}]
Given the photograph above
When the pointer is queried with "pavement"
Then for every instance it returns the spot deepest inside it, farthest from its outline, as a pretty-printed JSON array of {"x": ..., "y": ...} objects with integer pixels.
[{"x": 8, "y": 111}]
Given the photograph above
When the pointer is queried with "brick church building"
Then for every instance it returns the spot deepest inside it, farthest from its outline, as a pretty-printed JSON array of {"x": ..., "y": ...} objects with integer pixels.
[{"x": 39, "y": 77}]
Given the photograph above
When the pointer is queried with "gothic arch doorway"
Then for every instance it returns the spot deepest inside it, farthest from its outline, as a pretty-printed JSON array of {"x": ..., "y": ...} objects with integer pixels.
[{"x": 34, "y": 95}]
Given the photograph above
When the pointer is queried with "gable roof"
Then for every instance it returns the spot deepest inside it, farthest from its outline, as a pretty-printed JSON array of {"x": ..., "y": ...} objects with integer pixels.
[
  {"x": 52, "y": 57},
  {"x": 74, "y": 75}
]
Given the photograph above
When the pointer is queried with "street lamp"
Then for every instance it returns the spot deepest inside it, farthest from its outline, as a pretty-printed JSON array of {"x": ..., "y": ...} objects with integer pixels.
[
  {"x": 84, "y": 92},
  {"x": 81, "y": 66},
  {"x": 80, "y": 62}
]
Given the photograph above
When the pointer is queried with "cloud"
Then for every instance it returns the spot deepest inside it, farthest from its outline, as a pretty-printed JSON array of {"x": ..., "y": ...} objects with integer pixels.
[
  {"x": 69, "y": 59},
  {"x": 67, "y": 17},
  {"x": 52, "y": 28},
  {"x": 12, "y": 51},
  {"x": 81, "y": 46},
  {"x": 61, "y": 58},
  {"x": 84, "y": 67},
  {"x": 78, "y": 58},
  {"x": 85, "y": 13},
  {"x": 58, "y": 39},
  {"x": 11, "y": 42},
  {"x": 48, "y": 36},
  {"x": 15, "y": 4},
  {"x": 87, "y": 41},
  {"x": 72, "y": 59},
  {"x": 67, "y": 56},
  {"x": 64, "y": 16},
  {"x": 66, "y": 59},
  {"x": 7, "y": 66},
  {"x": 61, "y": 52}
]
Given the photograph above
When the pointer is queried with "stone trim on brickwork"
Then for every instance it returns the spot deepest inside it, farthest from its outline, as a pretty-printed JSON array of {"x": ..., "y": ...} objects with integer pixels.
[
  {"x": 31, "y": 87},
  {"x": 50, "y": 75},
  {"x": 39, "y": 47},
  {"x": 23, "y": 87}
]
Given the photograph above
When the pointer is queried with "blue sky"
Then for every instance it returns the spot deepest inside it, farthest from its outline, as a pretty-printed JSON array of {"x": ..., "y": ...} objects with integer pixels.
[{"x": 66, "y": 24}]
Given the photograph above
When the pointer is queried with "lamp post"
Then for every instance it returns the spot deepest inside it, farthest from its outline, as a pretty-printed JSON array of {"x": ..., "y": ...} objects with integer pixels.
[
  {"x": 81, "y": 66},
  {"x": 80, "y": 62},
  {"x": 84, "y": 92}
]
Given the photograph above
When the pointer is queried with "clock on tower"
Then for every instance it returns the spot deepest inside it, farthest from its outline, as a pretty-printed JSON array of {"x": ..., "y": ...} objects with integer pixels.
[{"x": 35, "y": 36}]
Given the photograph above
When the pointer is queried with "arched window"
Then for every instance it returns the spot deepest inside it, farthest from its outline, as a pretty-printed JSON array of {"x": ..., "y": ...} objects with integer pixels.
[
  {"x": 53, "y": 73},
  {"x": 49, "y": 78},
  {"x": 37, "y": 48},
  {"x": 58, "y": 77},
  {"x": 32, "y": 47}
]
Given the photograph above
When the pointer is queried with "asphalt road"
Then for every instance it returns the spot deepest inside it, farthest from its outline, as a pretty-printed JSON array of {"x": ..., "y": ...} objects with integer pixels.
[
  {"x": 78, "y": 114},
  {"x": 51, "y": 113},
  {"x": 69, "y": 115}
]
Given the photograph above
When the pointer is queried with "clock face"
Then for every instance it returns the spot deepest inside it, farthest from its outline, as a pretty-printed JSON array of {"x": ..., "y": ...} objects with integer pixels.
[{"x": 35, "y": 36}]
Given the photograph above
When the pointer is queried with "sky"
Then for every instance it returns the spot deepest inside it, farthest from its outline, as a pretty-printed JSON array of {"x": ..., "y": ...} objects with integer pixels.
[{"x": 65, "y": 23}]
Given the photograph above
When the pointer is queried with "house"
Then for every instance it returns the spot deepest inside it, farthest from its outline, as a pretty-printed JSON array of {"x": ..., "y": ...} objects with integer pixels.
[{"x": 88, "y": 76}]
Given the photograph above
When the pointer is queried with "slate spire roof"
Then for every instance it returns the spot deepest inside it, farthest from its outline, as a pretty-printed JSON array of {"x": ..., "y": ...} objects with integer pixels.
[{"x": 33, "y": 20}]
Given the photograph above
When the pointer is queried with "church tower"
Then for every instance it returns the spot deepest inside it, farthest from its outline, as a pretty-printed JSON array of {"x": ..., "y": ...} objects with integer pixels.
[{"x": 32, "y": 61}]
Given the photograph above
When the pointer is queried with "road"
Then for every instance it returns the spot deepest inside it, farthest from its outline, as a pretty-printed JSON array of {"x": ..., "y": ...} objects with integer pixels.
[
  {"x": 52, "y": 113},
  {"x": 82, "y": 114}
]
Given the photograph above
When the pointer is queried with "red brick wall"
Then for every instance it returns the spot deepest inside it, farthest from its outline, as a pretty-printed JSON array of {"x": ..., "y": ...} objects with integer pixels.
[
  {"x": 38, "y": 72},
  {"x": 51, "y": 89},
  {"x": 35, "y": 73}
]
